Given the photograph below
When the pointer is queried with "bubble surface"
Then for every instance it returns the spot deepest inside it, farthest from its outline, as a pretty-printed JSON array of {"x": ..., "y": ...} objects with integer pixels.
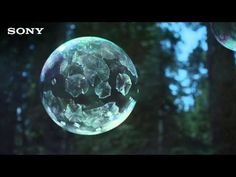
[
  {"x": 225, "y": 33},
  {"x": 88, "y": 85}
]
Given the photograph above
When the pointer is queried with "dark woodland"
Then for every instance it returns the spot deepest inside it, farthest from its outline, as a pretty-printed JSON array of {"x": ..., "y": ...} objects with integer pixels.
[{"x": 190, "y": 113}]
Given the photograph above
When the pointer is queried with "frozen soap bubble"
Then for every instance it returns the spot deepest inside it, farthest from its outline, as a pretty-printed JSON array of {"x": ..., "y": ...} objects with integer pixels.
[
  {"x": 88, "y": 85},
  {"x": 225, "y": 33}
]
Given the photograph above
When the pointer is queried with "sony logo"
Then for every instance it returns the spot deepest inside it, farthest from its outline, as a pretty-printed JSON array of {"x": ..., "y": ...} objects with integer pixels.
[{"x": 22, "y": 31}]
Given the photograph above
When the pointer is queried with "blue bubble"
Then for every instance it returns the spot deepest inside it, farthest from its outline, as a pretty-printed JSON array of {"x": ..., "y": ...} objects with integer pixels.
[{"x": 88, "y": 85}]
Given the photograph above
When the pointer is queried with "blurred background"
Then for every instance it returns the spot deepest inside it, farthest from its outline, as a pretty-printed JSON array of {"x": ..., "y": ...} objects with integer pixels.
[{"x": 186, "y": 104}]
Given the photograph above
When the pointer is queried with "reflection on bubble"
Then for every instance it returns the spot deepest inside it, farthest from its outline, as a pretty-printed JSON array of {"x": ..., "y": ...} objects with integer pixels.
[{"x": 225, "y": 33}]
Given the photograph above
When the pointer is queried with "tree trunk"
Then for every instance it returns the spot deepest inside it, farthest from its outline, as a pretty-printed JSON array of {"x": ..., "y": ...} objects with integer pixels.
[
  {"x": 222, "y": 97},
  {"x": 7, "y": 128}
]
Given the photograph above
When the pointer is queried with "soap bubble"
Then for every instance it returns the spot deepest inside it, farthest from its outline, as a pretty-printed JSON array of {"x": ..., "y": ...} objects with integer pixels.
[
  {"x": 88, "y": 85},
  {"x": 225, "y": 33}
]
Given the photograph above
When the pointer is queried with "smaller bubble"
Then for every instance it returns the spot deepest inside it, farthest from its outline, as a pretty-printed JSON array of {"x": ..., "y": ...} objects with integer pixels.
[{"x": 225, "y": 34}]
